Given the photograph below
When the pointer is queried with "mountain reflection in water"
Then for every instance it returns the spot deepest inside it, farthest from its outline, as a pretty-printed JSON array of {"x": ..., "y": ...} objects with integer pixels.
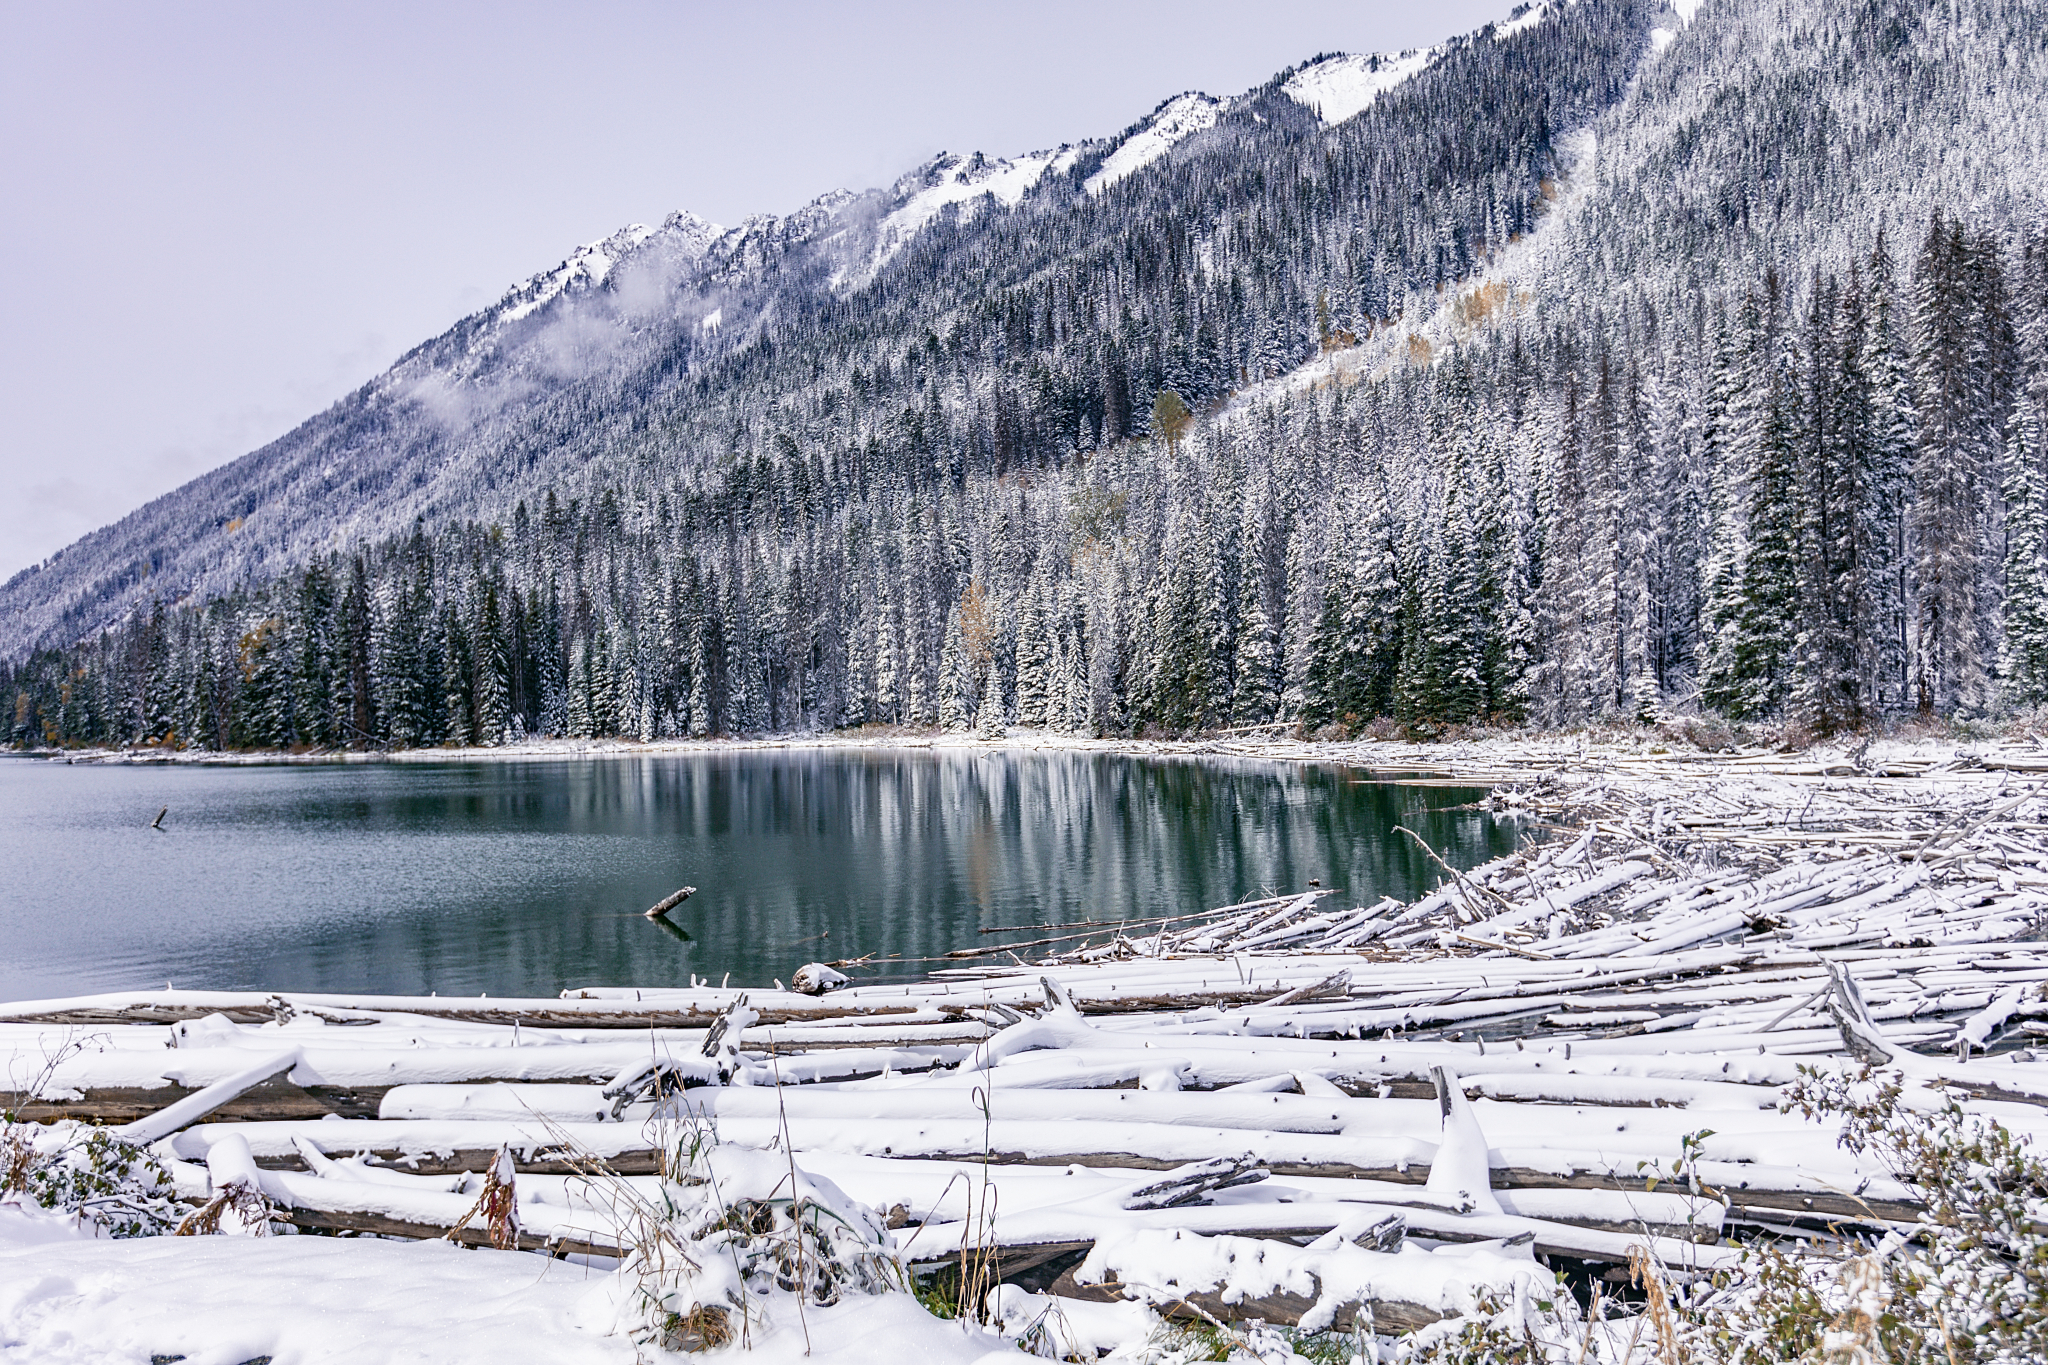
[{"x": 525, "y": 877}]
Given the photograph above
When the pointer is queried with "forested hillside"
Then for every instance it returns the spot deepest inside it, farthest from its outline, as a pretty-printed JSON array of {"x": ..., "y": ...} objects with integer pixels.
[{"x": 1617, "y": 360}]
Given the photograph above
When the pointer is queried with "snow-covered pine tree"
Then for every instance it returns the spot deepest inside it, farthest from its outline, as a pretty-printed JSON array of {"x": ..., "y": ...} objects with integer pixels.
[
  {"x": 1757, "y": 620},
  {"x": 954, "y": 683},
  {"x": 988, "y": 719},
  {"x": 1033, "y": 656},
  {"x": 1947, "y": 524},
  {"x": 1827, "y": 691},
  {"x": 1255, "y": 698},
  {"x": 1188, "y": 687},
  {"x": 1639, "y": 505},
  {"x": 493, "y": 680},
  {"x": 2023, "y": 660},
  {"x": 458, "y": 674}
]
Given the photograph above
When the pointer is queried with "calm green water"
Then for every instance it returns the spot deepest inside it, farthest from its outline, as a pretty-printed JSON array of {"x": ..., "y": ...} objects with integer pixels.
[{"x": 522, "y": 878}]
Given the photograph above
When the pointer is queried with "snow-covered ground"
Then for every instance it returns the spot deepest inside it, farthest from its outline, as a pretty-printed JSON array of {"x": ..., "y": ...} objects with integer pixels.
[
  {"x": 1339, "y": 88},
  {"x": 67, "y": 1298},
  {"x": 1178, "y": 118},
  {"x": 1294, "y": 1110},
  {"x": 1484, "y": 753}
]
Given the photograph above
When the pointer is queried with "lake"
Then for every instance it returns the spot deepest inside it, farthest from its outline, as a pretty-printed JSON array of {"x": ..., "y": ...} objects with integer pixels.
[{"x": 518, "y": 877}]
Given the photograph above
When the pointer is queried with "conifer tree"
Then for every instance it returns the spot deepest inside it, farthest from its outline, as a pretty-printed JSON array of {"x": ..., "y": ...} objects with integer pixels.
[
  {"x": 1188, "y": 688},
  {"x": 1892, "y": 437},
  {"x": 313, "y": 671},
  {"x": 1768, "y": 605},
  {"x": 1956, "y": 396},
  {"x": 2023, "y": 660},
  {"x": 1827, "y": 691},
  {"x": 493, "y": 701},
  {"x": 1033, "y": 657},
  {"x": 989, "y": 716}
]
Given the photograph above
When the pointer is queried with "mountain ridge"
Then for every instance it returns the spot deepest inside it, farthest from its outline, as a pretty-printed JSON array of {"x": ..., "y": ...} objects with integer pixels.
[
  {"x": 1625, "y": 362},
  {"x": 470, "y": 345}
]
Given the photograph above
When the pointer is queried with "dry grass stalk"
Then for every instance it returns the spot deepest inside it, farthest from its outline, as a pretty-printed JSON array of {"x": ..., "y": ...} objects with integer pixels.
[
  {"x": 1645, "y": 1272},
  {"x": 1851, "y": 1339},
  {"x": 248, "y": 1206},
  {"x": 498, "y": 1205}
]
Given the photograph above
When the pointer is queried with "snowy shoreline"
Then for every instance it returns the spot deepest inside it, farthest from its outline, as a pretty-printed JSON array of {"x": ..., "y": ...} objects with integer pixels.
[
  {"x": 1485, "y": 757},
  {"x": 1296, "y": 1110}
]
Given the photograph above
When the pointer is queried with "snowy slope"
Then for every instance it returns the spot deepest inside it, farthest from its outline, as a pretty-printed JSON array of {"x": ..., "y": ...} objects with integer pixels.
[
  {"x": 1178, "y": 118},
  {"x": 684, "y": 236},
  {"x": 1339, "y": 88},
  {"x": 1532, "y": 15},
  {"x": 946, "y": 180},
  {"x": 577, "y": 370}
]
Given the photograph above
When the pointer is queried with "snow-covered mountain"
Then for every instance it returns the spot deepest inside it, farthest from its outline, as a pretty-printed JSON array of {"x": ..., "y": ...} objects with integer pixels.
[
  {"x": 670, "y": 296},
  {"x": 746, "y": 474}
]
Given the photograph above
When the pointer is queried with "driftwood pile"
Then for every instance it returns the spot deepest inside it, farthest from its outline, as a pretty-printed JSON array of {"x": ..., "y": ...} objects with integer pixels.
[{"x": 1574, "y": 1051}]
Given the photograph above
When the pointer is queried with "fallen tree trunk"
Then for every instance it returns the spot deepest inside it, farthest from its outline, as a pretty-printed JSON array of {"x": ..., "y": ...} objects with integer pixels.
[
  {"x": 660, "y": 909},
  {"x": 327, "y": 1220},
  {"x": 1280, "y": 1308},
  {"x": 274, "y": 1099},
  {"x": 201, "y": 1103}
]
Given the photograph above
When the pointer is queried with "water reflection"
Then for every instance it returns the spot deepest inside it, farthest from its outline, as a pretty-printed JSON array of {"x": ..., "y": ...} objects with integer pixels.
[{"x": 526, "y": 877}]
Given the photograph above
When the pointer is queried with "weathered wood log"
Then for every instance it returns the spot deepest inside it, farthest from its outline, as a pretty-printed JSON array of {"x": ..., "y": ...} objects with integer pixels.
[
  {"x": 279, "y": 1099},
  {"x": 547, "y": 1161},
  {"x": 207, "y": 1100},
  {"x": 1741, "y": 1196},
  {"x": 660, "y": 909},
  {"x": 479, "y": 1012},
  {"x": 273, "y": 1099},
  {"x": 1196, "y": 1182},
  {"x": 1386, "y": 1235},
  {"x": 1335, "y": 984},
  {"x": 328, "y": 1220},
  {"x": 1280, "y": 1308},
  {"x": 1803, "y": 1203},
  {"x": 1794, "y": 1204}
]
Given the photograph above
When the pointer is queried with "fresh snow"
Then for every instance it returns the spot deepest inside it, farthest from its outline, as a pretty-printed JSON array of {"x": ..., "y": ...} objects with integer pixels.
[
  {"x": 1666, "y": 1006},
  {"x": 589, "y": 265},
  {"x": 312, "y": 1300},
  {"x": 1520, "y": 266},
  {"x": 1450, "y": 1279},
  {"x": 1528, "y": 19},
  {"x": 1179, "y": 117},
  {"x": 950, "y": 179},
  {"x": 1339, "y": 88},
  {"x": 1686, "y": 9}
]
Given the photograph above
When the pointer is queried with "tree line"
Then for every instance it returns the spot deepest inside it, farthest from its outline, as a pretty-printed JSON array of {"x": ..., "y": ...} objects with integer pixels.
[{"x": 1818, "y": 499}]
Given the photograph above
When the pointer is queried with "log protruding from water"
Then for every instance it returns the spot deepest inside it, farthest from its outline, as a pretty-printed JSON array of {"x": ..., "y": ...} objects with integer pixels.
[{"x": 660, "y": 909}]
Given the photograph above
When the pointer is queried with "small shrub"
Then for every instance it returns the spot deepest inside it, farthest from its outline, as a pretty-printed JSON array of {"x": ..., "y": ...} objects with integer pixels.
[
  {"x": 733, "y": 1232},
  {"x": 89, "y": 1172},
  {"x": 704, "y": 1328},
  {"x": 1708, "y": 734},
  {"x": 1968, "y": 1287}
]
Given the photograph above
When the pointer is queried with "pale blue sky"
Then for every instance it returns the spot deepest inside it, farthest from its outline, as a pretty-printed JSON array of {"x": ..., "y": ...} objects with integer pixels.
[{"x": 219, "y": 218}]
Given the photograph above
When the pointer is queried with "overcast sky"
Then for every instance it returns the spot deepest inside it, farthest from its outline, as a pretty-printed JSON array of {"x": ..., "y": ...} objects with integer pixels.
[{"x": 219, "y": 218}]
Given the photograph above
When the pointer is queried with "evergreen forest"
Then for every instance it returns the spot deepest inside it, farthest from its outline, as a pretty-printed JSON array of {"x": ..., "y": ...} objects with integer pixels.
[{"x": 1621, "y": 364}]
